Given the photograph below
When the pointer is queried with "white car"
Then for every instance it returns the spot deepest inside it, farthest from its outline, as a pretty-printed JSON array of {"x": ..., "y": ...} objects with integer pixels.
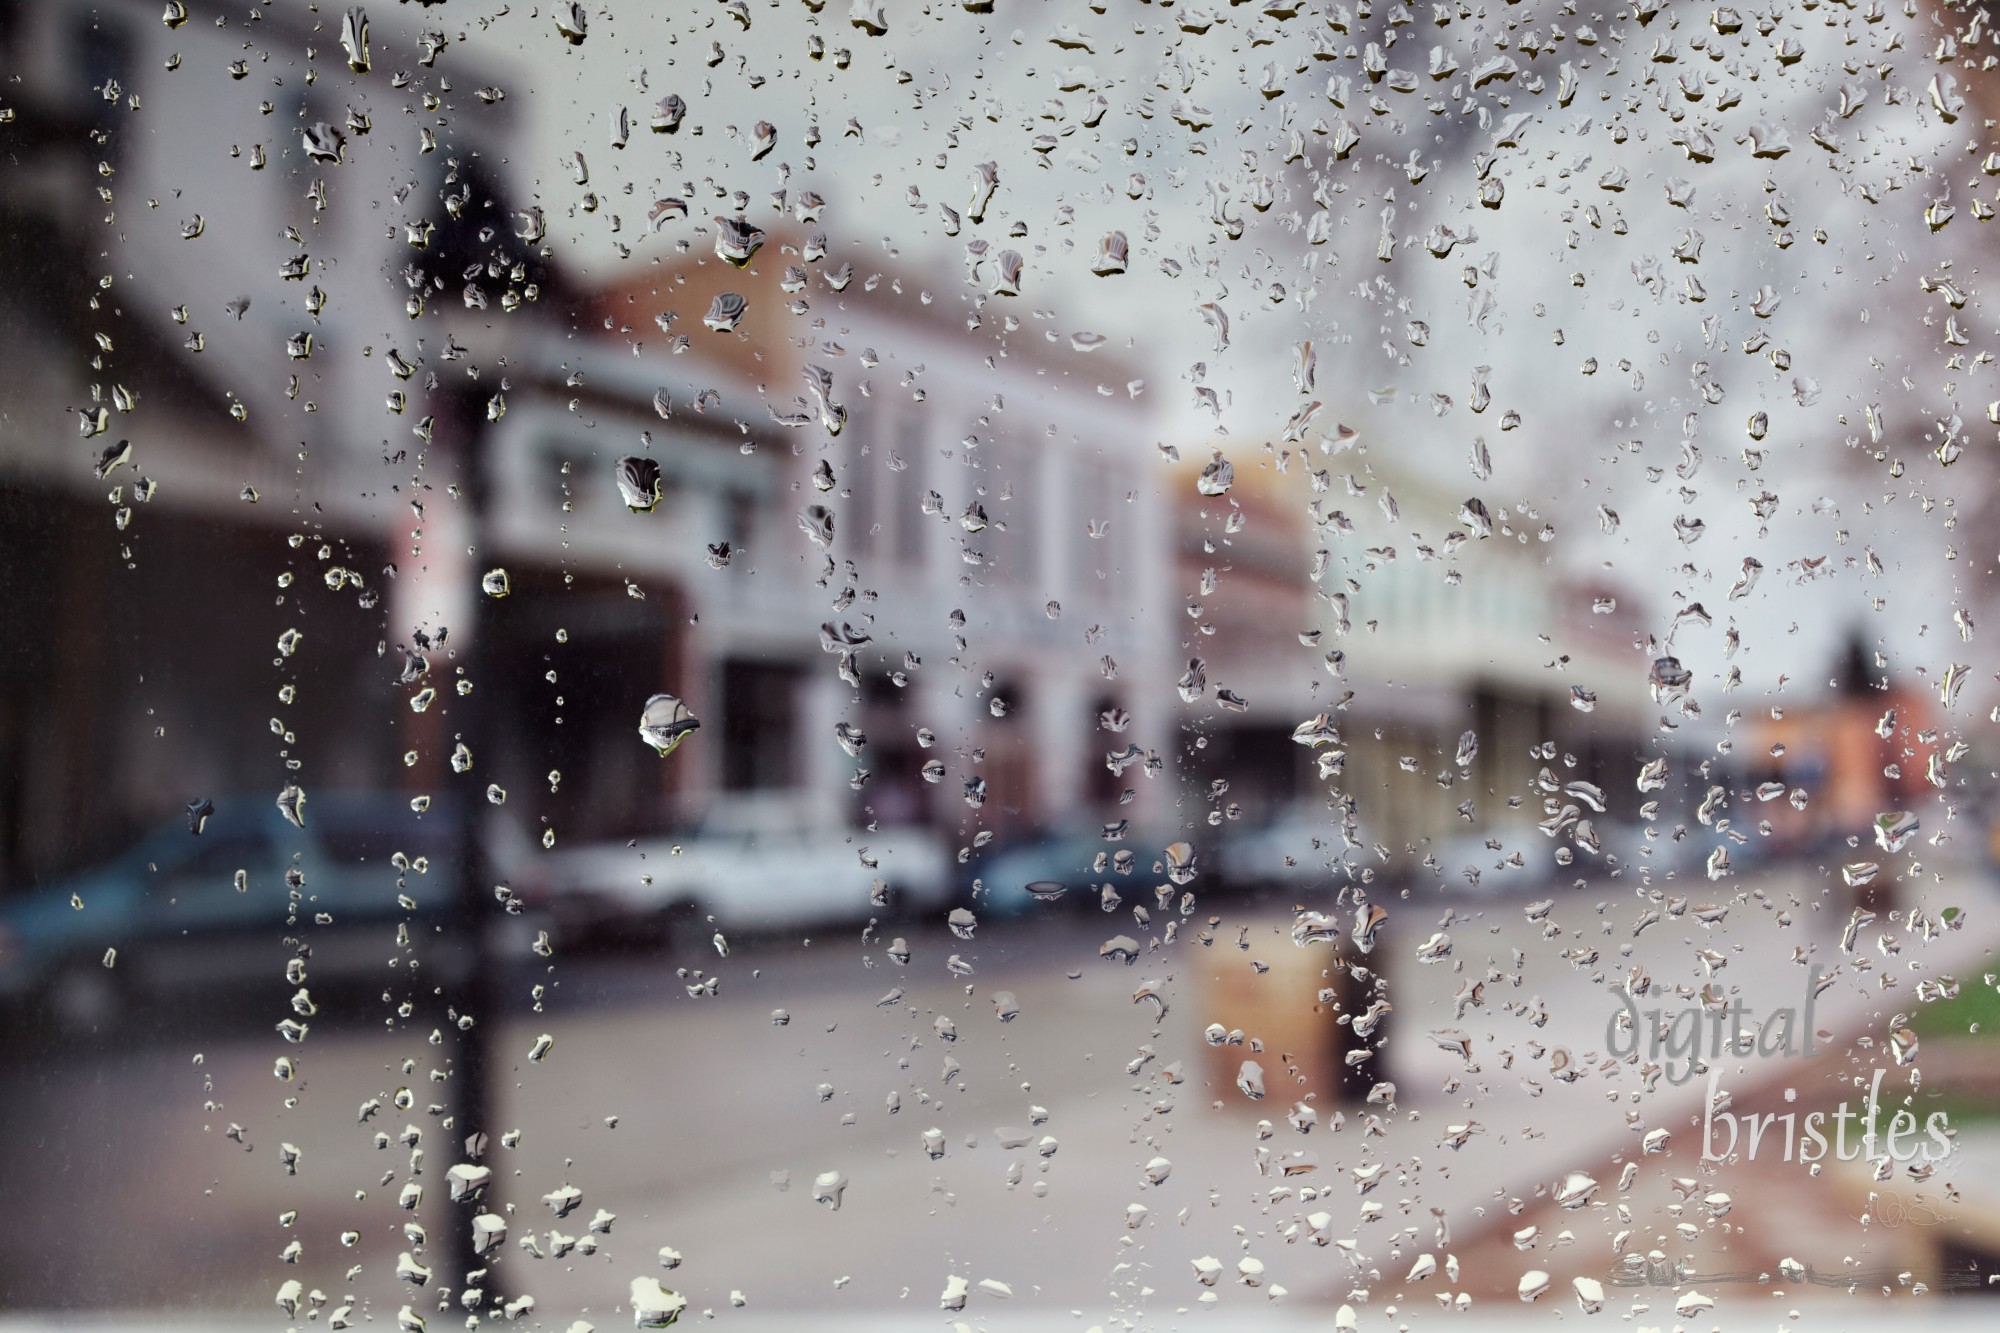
[
  {"x": 1295, "y": 851},
  {"x": 1472, "y": 865},
  {"x": 769, "y": 876}
]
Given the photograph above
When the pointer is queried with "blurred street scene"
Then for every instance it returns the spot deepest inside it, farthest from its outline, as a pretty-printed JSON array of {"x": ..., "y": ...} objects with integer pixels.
[
  {"x": 707, "y": 1124},
  {"x": 603, "y": 691}
]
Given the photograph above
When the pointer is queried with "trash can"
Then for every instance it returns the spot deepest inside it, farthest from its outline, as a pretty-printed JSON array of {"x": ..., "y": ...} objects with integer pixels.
[{"x": 1289, "y": 1009}]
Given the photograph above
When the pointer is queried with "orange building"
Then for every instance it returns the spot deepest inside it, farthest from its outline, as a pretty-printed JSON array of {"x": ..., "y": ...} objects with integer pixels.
[{"x": 1866, "y": 751}]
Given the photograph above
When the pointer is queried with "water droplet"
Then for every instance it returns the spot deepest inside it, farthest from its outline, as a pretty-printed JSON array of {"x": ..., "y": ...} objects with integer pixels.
[
  {"x": 829, "y": 1188},
  {"x": 654, "y": 1306},
  {"x": 1217, "y": 477},
  {"x": 1903, "y": 1045},
  {"x": 325, "y": 145},
  {"x": 1435, "y": 949},
  {"x": 1575, "y": 1190},
  {"x": 1474, "y": 515},
  {"x": 1193, "y": 681},
  {"x": 1668, "y": 679},
  {"x": 1111, "y": 255},
  {"x": 725, "y": 312},
  {"x": 639, "y": 483},
  {"x": 736, "y": 241},
  {"x": 668, "y": 115},
  {"x": 1120, "y": 949},
  {"x": 353, "y": 38},
  {"x": 1310, "y": 927},
  {"x": 1954, "y": 679},
  {"x": 1894, "y": 829},
  {"x": 985, "y": 179},
  {"x": 816, "y": 521},
  {"x": 1369, "y": 918},
  {"x": 665, "y": 723}
]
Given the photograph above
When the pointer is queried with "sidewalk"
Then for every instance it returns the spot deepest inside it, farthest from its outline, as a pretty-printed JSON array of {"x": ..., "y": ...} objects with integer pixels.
[{"x": 1756, "y": 955}]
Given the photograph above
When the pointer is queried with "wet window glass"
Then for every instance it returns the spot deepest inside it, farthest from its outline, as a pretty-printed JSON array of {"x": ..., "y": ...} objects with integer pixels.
[{"x": 985, "y": 665}]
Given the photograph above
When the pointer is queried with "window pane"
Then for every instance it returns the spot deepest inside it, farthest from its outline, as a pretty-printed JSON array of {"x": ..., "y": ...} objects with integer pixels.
[{"x": 765, "y": 661}]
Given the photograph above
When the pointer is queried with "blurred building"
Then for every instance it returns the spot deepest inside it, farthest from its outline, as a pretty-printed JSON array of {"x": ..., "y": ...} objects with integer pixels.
[
  {"x": 1869, "y": 747},
  {"x": 204, "y": 446},
  {"x": 923, "y": 573},
  {"x": 1331, "y": 583},
  {"x": 330, "y": 379}
]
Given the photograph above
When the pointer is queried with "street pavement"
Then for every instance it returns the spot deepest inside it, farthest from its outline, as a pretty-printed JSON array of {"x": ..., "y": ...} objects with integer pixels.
[{"x": 700, "y": 1124}]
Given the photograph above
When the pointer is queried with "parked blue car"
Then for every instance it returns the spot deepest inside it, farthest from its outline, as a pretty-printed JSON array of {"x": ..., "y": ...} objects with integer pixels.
[
  {"x": 179, "y": 913},
  {"x": 1068, "y": 859}
]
